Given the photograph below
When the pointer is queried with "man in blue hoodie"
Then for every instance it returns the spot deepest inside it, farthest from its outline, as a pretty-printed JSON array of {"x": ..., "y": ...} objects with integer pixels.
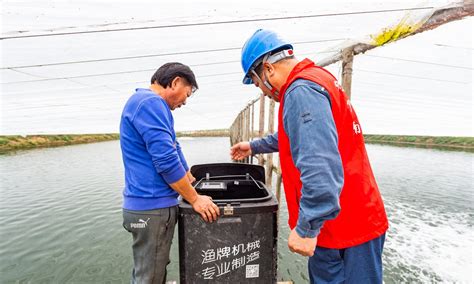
[{"x": 156, "y": 172}]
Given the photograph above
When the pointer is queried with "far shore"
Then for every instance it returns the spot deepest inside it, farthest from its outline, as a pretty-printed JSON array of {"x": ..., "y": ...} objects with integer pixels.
[{"x": 12, "y": 143}]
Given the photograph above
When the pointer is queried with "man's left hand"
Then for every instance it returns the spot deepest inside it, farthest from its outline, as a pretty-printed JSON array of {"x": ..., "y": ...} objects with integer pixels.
[{"x": 303, "y": 246}]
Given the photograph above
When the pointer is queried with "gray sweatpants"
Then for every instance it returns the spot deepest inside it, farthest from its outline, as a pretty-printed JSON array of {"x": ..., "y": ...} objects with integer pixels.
[{"x": 152, "y": 233}]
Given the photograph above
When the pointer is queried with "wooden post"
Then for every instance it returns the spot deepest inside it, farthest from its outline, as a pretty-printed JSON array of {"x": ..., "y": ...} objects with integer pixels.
[
  {"x": 247, "y": 129},
  {"x": 244, "y": 124},
  {"x": 251, "y": 128},
  {"x": 261, "y": 124},
  {"x": 233, "y": 135},
  {"x": 271, "y": 120},
  {"x": 247, "y": 118},
  {"x": 278, "y": 189},
  {"x": 252, "y": 123},
  {"x": 248, "y": 123},
  {"x": 347, "y": 60},
  {"x": 240, "y": 129}
]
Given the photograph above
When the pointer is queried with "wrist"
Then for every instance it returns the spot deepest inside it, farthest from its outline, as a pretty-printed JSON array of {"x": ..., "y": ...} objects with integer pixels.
[
  {"x": 252, "y": 146},
  {"x": 193, "y": 199},
  {"x": 305, "y": 232}
]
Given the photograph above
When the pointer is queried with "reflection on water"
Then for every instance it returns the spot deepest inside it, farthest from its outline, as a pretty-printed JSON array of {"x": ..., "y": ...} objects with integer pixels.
[{"x": 61, "y": 214}]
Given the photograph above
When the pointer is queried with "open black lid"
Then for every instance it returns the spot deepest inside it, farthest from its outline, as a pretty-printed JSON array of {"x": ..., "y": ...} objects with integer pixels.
[{"x": 228, "y": 169}]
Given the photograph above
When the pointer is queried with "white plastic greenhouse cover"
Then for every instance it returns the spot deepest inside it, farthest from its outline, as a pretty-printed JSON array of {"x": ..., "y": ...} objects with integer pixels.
[{"x": 78, "y": 82}]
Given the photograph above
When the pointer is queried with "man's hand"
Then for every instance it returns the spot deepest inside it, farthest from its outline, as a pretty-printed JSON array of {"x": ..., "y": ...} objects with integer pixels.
[
  {"x": 303, "y": 246},
  {"x": 240, "y": 151},
  {"x": 201, "y": 204},
  {"x": 190, "y": 176},
  {"x": 206, "y": 208}
]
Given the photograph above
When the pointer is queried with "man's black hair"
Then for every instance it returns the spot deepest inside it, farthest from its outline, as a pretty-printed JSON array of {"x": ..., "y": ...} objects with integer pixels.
[{"x": 165, "y": 75}]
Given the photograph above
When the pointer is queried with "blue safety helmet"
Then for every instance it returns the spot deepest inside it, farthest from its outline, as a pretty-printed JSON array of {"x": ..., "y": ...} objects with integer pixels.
[{"x": 259, "y": 44}]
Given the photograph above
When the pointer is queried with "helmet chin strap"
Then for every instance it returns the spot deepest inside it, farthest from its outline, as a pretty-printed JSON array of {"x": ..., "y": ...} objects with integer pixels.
[
  {"x": 272, "y": 89},
  {"x": 265, "y": 82}
]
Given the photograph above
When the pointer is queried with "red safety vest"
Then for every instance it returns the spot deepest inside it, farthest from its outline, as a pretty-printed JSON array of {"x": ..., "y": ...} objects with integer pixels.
[{"x": 362, "y": 216}]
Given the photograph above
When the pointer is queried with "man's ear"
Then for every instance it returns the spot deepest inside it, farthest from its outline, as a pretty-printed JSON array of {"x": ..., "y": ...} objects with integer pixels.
[
  {"x": 175, "y": 82},
  {"x": 269, "y": 68}
]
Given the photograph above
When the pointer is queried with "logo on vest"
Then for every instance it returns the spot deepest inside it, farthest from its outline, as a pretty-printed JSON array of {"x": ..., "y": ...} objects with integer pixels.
[
  {"x": 356, "y": 128},
  {"x": 141, "y": 224},
  {"x": 349, "y": 105},
  {"x": 336, "y": 83}
]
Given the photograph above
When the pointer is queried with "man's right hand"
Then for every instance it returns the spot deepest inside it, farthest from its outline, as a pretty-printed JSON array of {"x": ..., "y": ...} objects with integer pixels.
[
  {"x": 240, "y": 151},
  {"x": 303, "y": 246},
  {"x": 206, "y": 208}
]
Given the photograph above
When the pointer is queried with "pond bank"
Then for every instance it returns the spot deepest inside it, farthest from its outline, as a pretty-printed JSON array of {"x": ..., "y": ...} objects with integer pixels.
[
  {"x": 437, "y": 142},
  {"x": 17, "y": 142}
]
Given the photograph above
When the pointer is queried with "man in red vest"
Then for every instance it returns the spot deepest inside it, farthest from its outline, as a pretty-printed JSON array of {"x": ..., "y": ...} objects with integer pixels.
[{"x": 335, "y": 209}]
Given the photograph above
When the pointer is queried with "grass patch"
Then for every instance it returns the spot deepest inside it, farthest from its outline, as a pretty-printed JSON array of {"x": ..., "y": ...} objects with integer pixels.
[
  {"x": 447, "y": 142},
  {"x": 15, "y": 142},
  {"x": 4, "y": 141},
  {"x": 204, "y": 133}
]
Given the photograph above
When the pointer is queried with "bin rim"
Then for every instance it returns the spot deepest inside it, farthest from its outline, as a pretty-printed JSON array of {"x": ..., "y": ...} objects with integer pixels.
[
  {"x": 243, "y": 200},
  {"x": 221, "y": 169}
]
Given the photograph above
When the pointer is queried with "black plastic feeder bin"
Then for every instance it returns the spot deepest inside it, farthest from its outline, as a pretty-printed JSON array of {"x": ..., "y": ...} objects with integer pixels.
[{"x": 241, "y": 246}]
